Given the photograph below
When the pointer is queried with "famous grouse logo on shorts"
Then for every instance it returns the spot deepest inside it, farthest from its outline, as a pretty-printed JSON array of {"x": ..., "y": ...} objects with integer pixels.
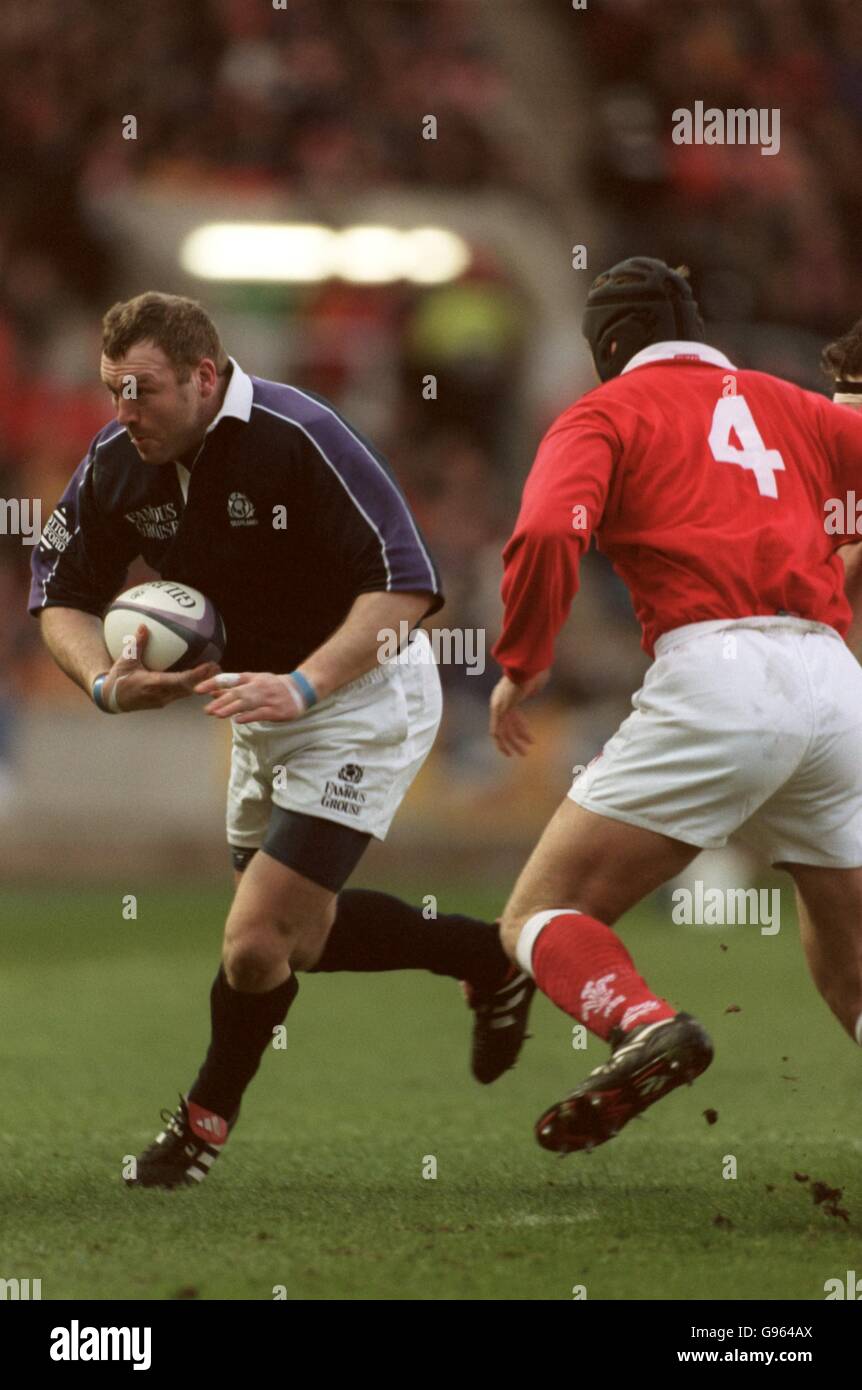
[
  {"x": 342, "y": 795},
  {"x": 240, "y": 509}
]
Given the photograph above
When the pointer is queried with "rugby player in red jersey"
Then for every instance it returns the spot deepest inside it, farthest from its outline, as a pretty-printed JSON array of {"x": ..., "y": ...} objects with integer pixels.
[
  {"x": 842, "y": 361},
  {"x": 721, "y": 497}
]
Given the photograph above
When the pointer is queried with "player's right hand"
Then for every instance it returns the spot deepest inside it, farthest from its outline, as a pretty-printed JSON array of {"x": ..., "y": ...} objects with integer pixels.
[
  {"x": 508, "y": 728},
  {"x": 138, "y": 688}
]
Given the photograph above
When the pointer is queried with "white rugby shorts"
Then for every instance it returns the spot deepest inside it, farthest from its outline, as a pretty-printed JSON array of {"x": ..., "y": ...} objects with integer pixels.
[
  {"x": 747, "y": 731},
  {"x": 349, "y": 759}
]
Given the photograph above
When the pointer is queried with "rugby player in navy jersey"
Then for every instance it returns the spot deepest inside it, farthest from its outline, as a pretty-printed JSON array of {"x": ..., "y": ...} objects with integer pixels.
[{"x": 191, "y": 472}]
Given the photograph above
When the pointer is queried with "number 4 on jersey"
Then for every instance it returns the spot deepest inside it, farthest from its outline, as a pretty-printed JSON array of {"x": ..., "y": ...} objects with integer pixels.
[{"x": 732, "y": 413}]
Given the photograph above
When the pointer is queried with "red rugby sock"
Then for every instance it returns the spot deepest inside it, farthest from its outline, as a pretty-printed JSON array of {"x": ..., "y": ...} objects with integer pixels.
[{"x": 582, "y": 966}]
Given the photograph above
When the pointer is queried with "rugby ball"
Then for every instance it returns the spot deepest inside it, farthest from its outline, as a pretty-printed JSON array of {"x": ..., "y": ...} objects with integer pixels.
[{"x": 185, "y": 628}]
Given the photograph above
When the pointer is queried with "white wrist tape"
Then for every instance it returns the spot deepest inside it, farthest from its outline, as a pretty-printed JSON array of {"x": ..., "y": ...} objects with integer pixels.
[
  {"x": 299, "y": 700},
  {"x": 111, "y": 699}
]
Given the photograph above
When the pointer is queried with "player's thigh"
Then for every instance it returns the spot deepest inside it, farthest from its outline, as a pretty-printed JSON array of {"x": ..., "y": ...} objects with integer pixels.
[
  {"x": 241, "y": 859},
  {"x": 594, "y": 863},
  {"x": 277, "y": 913},
  {"x": 831, "y": 900}
]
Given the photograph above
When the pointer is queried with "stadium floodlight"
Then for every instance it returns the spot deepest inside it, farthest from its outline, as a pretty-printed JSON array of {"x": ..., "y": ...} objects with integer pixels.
[
  {"x": 369, "y": 255},
  {"x": 262, "y": 251},
  {"x": 434, "y": 255},
  {"x": 285, "y": 252}
]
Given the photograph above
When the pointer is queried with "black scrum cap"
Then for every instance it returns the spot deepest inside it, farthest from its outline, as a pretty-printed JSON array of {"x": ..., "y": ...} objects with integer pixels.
[{"x": 638, "y": 302}]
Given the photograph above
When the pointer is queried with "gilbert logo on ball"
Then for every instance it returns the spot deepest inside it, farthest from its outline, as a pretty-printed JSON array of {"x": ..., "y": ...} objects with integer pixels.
[{"x": 185, "y": 627}]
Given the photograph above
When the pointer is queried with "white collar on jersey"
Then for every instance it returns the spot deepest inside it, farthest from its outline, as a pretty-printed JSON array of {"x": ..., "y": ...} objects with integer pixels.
[
  {"x": 663, "y": 352},
  {"x": 237, "y": 397}
]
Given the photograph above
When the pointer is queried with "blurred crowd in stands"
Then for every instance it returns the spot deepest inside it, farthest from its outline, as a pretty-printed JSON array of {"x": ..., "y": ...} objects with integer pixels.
[
  {"x": 773, "y": 240},
  {"x": 323, "y": 97},
  {"x": 317, "y": 98}
]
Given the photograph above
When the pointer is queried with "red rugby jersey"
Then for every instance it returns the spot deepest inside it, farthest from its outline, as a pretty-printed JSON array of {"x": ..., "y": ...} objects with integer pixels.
[{"x": 713, "y": 491}]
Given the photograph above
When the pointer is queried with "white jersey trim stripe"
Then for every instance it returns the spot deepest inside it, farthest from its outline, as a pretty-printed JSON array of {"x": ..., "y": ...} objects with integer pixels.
[
  {"x": 426, "y": 557},
  {"x": 357, "y": 504},
  {"x": 666, "y": 351}
]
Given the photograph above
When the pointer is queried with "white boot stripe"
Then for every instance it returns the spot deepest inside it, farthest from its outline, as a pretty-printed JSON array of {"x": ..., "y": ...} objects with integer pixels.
[
  {"x": 507, "y": 1004},
  {"x": 650, "y": 1028}
]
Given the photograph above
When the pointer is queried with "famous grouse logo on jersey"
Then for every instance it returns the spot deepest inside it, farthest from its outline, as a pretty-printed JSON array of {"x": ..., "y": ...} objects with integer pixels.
[
  {"x": 241, "y": 510},
  {"x": 156, "y": 523}
]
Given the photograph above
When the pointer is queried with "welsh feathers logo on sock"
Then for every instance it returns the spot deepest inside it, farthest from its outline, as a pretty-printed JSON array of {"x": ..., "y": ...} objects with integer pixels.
[{"x": 597, "y": 997}]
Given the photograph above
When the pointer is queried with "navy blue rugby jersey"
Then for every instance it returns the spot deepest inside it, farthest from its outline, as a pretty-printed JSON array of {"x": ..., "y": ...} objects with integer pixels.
[{"x": 273, "y": 453}]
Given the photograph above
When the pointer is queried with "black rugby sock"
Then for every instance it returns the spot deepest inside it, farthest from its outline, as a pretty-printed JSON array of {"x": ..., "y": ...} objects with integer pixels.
[
  {"x": 374, "y": 931},
  {"x": 242, "y": 1027}
]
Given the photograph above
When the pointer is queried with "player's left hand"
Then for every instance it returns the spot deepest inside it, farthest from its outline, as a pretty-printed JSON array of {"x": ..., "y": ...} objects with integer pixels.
[
  {"x": 252, "y": 695},
  {"x": 509, "y": 729}
]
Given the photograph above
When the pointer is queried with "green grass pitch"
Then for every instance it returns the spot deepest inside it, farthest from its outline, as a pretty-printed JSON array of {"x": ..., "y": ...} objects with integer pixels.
[{"x": 321, "y": 1192}]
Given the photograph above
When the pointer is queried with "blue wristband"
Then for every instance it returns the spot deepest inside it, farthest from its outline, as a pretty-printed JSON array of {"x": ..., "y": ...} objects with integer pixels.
[
  {"x": 98, "y": 685},
  {"x": 306, "y": 689}
]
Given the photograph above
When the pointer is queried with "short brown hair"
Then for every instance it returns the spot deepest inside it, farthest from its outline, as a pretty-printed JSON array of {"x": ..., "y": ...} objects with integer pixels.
[
  {"x": 180, "y": 327},
  {"x": 843, "y": 358}
]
